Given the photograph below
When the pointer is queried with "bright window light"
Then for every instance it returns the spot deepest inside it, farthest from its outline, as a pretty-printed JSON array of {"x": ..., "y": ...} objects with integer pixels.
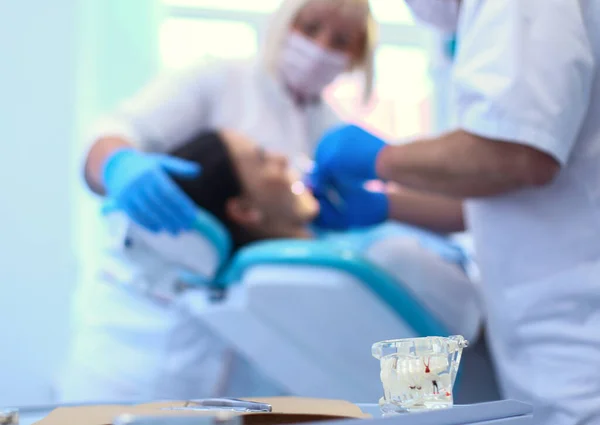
[
  {"x": 392, "y": 11},
  {"x": 187, "y": 40},
  {"x": 261, "y": 6},
  {"x": 400, "y": 107},
  {"x": 388, "y": 11}
]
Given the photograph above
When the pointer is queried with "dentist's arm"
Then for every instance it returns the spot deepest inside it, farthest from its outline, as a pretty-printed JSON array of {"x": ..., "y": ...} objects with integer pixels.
[
  {"x": 436, "y": 213},
  {"x": 515, "y": 132},
  {"x": 100, "y": 151},
  {"x": 140, "y": 184},
  {"x": 460, "y": 165},
  {"x": 362, "y": 208}
]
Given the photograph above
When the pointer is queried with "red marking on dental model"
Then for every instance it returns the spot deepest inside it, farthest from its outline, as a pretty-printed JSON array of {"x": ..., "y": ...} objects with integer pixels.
[{"x": 427, "y": 370}]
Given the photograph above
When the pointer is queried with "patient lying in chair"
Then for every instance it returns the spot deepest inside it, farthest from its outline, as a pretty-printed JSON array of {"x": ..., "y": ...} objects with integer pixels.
[
  {"x": 257, "y": 196},
  {"x": 254, "y": 193}
]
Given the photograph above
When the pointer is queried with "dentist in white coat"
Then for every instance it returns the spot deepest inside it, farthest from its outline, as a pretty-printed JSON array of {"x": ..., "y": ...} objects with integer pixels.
[
  {"x": 130, "y": 347},
  {"x": 525, "y": 154}
]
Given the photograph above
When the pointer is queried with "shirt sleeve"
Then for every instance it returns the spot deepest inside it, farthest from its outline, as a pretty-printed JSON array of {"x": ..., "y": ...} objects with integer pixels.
[
  {"x": 523, "y": 72},
  {"x": 168, "y": 111}
]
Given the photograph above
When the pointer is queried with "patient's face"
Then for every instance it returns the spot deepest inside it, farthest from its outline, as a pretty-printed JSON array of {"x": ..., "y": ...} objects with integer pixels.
[{"x": 273, "y": 193}]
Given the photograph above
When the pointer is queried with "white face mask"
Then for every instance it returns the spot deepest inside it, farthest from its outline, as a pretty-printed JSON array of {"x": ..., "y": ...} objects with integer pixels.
[
  {"x": 307, "y": 68},
  {"x": 442, "y": 14}
]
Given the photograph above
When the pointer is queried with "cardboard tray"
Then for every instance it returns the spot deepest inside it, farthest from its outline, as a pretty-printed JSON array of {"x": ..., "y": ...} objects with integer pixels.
[{"x": 286, "y": 410}]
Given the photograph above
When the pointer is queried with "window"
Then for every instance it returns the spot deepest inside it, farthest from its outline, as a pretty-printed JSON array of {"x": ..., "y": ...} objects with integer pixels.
[
  {"x": 260, "y": 6},
  {"x": 385, "y": 11},
  {"x": 391, "y": 11},
  {"x": 183, "y": 40},
  {"x": 400, "y": 104}
]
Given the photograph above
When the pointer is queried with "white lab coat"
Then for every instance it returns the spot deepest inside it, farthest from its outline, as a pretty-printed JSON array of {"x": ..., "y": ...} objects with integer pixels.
[
  {"x": 238, "y": 95},
  {"x": 125, "y": 346},
  {"x": 527, "y": 72}
]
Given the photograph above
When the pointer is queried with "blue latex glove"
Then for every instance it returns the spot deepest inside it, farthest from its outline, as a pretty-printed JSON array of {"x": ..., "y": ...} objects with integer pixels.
[
  {"x": 350, "y": 207},
  {"x": 141, "y": 186},
  {"x": 347, "y": 155}
]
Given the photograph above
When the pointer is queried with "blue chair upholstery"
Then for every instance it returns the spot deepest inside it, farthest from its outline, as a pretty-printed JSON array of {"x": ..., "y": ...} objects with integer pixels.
[
  {"x": 325, "y": 254},
  {"x": 206, "y": 224}
]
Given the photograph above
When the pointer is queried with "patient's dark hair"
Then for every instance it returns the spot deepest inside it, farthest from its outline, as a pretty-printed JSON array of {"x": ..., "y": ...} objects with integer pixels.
[{"x": 216, "y": 184}]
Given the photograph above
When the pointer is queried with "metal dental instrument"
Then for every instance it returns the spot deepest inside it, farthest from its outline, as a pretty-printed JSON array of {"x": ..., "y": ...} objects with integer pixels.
[
  {"x": 181, "y": 420},
  {"x": 306, "y": 166},
  {"x": 231, "y": 404}
]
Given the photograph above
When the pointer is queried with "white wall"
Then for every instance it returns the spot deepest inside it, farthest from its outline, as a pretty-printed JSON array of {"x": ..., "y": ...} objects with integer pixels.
[
  {"x": 37, "y": 267},
  {"x": 61, "y": 63}
]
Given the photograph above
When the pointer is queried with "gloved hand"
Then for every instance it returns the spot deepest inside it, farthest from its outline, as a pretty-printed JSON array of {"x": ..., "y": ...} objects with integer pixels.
[
  {"x": 347, "y": 155},
  {"x": 140, "y": 185},
  {"x": 350, "y": 207}
]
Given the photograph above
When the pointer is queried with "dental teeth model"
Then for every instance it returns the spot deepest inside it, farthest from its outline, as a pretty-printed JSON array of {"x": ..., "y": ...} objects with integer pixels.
[
  {"x": 422, "y": 380},
  {"x": 418, "y": 373}
]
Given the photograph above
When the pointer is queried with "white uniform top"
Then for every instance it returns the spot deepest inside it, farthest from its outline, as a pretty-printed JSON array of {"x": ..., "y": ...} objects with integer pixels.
[
  {"x": 527, "y": 72},
  {"x": 237, "y": 95}
]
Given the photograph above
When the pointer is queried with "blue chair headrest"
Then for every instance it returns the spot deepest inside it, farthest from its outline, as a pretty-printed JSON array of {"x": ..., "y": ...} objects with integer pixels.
[{"x": 215, "y": 232}]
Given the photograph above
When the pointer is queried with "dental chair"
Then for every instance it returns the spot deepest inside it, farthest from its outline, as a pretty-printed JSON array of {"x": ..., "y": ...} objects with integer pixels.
[{"x": 306, "y": 312}]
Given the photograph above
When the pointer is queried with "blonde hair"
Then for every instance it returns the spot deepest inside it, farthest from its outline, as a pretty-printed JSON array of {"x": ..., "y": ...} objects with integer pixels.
[{"x": 283, "y": 19}]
